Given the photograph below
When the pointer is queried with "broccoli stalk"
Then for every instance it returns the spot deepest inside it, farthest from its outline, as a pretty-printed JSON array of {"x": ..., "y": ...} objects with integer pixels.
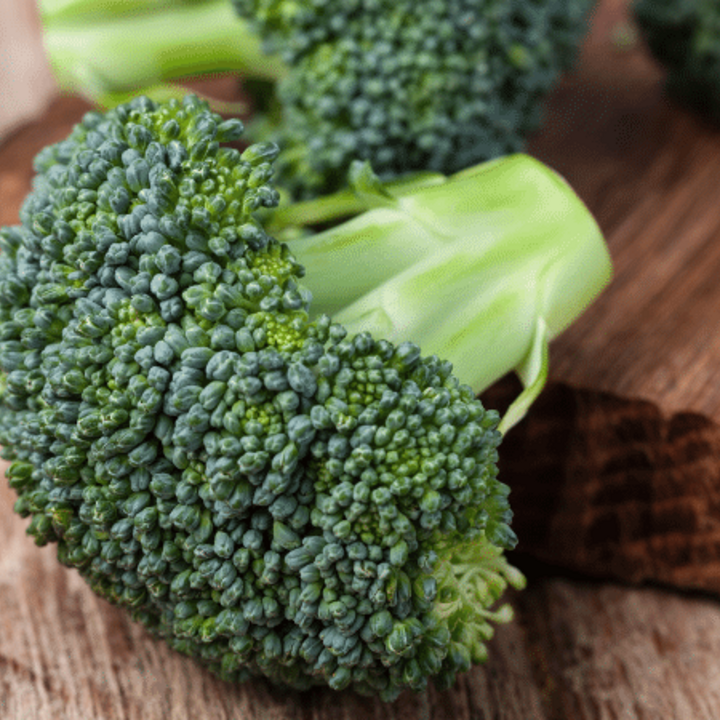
[
  {"x": 110, "y": 51},
  {"x": 270, "y": 493},
  {"x": 502, "y": 256}
]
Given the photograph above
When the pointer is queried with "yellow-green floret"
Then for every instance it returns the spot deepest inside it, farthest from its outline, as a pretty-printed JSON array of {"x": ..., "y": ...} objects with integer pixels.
[{"x": 267, "y": 493}]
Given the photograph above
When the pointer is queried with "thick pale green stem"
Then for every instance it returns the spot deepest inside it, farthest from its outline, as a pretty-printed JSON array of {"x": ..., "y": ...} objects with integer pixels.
[
  {"x": 109, "y": 51},
  {"x": 78, "y": 10},
  {"x": 533, "y": 373},
  {"x": 483, "y": 269}
]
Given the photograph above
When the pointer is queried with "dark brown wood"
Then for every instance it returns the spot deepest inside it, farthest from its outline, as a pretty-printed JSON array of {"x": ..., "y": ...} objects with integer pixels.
[
  {"x": 615, "y": 472},
  {"x": 648, "y": 171},
  {"x": 611, "y": 487}
]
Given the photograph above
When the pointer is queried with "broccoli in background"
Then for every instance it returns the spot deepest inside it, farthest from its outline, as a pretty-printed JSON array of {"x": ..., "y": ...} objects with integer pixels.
[
  {"x": 112, "y": 51},
  {"x": 436, "y": 85},
  {"x": 684, "y": 35},
  {"x": 269, "y": 493}
]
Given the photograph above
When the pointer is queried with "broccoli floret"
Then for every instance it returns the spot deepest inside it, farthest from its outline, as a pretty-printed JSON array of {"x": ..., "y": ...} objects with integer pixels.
[
  {"x": 684, "y": 35},
  {"x": 435, "y": 85},
  {"x": 270, "y": 494}
]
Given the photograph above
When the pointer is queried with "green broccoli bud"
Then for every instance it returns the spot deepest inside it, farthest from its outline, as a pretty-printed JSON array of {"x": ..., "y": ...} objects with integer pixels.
[
  {"x": 269, "y": 493},
  {"x": 684, "y": 35},
  {"x": 439, "y": 85}
]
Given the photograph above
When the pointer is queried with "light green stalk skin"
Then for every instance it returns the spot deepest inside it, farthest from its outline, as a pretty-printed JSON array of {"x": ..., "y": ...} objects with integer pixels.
[
  {"x": 483, "y": 269},
  {"x": 78, "y": 10},
  {"x": 108, "y": 51}
]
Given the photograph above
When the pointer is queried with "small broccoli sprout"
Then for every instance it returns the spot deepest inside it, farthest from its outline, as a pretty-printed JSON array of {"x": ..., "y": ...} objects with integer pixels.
[{"x": 271, "y": 494}]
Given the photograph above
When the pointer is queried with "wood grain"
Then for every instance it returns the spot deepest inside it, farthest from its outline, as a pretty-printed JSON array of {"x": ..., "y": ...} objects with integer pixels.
[
  {"x": 648, "y": 172},
  {"x": 613, "y": 488},
  {"x": 606, "y": 652},
  {"x": 614, "y": 473}
]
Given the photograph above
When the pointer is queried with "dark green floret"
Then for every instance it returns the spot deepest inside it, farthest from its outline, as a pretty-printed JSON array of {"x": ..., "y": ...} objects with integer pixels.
[
  {"x": 435, "y": 85},
  {"x": 270, "y": 494},
  {"x": 409, "y": 85},
  {"x": 684, "y": 35}
]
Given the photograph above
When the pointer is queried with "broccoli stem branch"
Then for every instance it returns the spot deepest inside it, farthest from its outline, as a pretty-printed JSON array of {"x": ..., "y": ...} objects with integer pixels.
[
  {"x": 97, "y": 54},
  {"x": 343, "y": 203},
  {"x": 472, "y": 575}
]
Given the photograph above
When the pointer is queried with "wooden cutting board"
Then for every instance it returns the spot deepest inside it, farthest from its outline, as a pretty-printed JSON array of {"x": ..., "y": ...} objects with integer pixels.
[
  {"x": 614, "y": 473},
  {"x": 617, "y": 470}
]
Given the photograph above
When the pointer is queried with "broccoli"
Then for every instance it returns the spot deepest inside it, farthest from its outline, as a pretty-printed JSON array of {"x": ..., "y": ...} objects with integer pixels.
[
  {"x": 270, "y": 493},
  {"x": 110, "y": 51},
  {"x": 437, "y": 85},
  {"x": 684, "y": 35}
]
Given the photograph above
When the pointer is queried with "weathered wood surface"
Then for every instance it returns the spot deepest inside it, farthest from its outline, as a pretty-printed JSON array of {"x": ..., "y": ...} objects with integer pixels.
[
  {"x": 617, "y": 470},
  {"x": 607, "y": 477},
  {"x": 648, "y": 171}
]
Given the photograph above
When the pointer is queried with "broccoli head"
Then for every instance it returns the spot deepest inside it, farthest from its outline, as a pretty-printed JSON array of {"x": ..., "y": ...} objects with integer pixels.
[
  {"x": 267, "y": 493},
  {"x": 684, "y": 35},
  {"x": 435, "y": 85}
]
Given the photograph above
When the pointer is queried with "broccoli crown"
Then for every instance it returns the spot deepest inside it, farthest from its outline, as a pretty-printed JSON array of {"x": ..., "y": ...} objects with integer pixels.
[
  {"x": 265, "y": 492},
  {"x": 434, "y": 85},
  {"x": 684, "y": 35}
]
